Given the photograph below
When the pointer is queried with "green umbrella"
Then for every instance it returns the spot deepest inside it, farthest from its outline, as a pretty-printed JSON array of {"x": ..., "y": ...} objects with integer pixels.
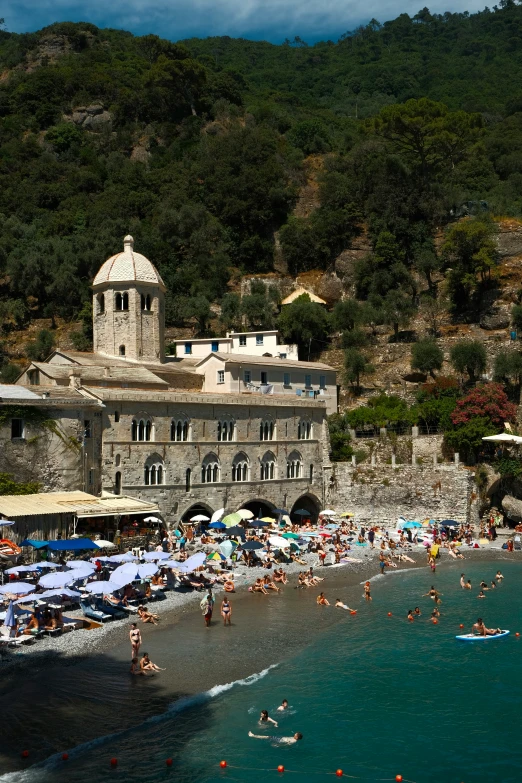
[
  {"x": 232, "y": 519},
  {"x": 290, "y": 535}
]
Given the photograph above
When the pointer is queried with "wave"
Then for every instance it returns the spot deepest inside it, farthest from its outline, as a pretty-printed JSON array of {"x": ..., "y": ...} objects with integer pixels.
[{"x": 38, "y": 772}]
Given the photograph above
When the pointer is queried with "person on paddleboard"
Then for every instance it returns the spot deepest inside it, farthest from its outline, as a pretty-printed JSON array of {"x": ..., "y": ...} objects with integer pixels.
[{"x": 480, "y": 629}]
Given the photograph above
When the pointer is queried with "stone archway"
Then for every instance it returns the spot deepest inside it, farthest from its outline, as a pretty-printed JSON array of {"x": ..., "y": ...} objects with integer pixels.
[
  {"x": 306, "y": 502},
  {"x": 196, "y": 508},
  {"x": 261, "y": 508}
]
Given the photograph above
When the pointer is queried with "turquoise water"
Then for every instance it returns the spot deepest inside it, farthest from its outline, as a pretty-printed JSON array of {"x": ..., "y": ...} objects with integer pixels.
[{"x": 375, "y": 696}]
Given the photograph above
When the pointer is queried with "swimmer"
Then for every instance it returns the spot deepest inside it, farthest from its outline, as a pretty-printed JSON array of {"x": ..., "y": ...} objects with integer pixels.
[
  {"x": 367, "y": 593},
  {"x": 484, "y": 585},
  {"x": 339, "y": 604},
  {"x": 417, "y": 612},
  {"x": 462, "y": 582},
  {"x": 467, "y": 586},
  {"x": 283, "y": 706},
  {"x": 264, "y": 718},
  {"x": 481, "y": 594},
  {"x": 499, "y": 577},
  {"x": 322, "y": 600},
  {"x": 481, "y": 629},
  {"x": 435, "y": 613},
  {"x": 279, "y": 740},
  {"x": 410, "y": 615},
  {"x": 432, "y": 593},
  {"x": 493, "y": 584}
]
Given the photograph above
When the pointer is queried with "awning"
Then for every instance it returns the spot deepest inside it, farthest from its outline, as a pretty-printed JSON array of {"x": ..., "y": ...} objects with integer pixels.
[
  {"x": 72, "y": 544},
  {"x": 34, "y": 543}
]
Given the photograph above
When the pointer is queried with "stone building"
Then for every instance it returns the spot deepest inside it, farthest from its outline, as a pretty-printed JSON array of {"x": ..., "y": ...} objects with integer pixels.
[{"x": 190, "y": 433}]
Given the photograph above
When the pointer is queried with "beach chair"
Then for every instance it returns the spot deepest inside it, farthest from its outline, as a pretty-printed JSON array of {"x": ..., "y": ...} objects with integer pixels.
[
  {"x": 104, "y": 608},
  {"x": 94, "y": 614}
]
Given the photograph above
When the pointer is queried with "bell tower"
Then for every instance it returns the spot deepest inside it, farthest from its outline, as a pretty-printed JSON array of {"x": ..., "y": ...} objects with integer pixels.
[{"x": 129, "y": 308}]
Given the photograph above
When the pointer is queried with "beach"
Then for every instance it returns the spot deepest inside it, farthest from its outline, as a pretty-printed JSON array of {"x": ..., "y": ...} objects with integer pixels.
[{"x": 77, "y": 687}]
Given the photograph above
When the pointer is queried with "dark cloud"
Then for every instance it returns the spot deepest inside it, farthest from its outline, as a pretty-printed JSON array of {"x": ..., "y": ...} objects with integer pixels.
[{"x": 272, "y": 20}]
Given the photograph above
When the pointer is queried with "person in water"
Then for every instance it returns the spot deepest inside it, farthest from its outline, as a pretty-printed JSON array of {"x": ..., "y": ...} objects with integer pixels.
[
  {"x": 226, "y": 611},
  {"x": 432, "y": 593},
  {"x": 462, "y": 582},
  {"x": 322, "y": 600},
  {"x": 283, "y": 706},
  {"x": 417, "y": 612},
  {"x": 481, "y": 594},
  {"x": 279, "y": 740},
  {"x": 410, "y": 615},
  {"x": 480, "y": 629},
  {"x": 265, "y": 718},
  {"x": 499, "y": 577},
  {"x": 367, "y": 591},
  {"x": 146, "y": 664},
  {"x": 339, "y": 604}
]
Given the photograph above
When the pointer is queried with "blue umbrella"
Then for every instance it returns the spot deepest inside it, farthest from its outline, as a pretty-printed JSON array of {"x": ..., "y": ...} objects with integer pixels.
[
  {"x": 449, "y": 523},
  {"x": 97, "y": 588},
  {"x": 259, "y": 523},
  {"x": 60, "y": 579},
  {"x": 218, "y": 525},
  {"x": 411, "y": 524},
  {"x": 128, "y": 557},
  {"x": 17, "y": 588}
]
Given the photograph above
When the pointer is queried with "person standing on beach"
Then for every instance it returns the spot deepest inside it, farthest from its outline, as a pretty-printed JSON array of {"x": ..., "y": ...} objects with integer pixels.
[
  {"x": 135, "y": 640},
  {"x": 208, "y": 608},
  {"x": 367, "y": 591},
  {"x": 226, "y": 611}
]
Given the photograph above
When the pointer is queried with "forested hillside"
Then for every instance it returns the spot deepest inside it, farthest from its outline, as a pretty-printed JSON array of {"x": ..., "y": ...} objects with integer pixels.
[{"x": 199, "y": 150}]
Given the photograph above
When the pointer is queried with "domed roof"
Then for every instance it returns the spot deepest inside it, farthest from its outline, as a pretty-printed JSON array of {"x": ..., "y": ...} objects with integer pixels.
[{"x": 128, "y": 267}]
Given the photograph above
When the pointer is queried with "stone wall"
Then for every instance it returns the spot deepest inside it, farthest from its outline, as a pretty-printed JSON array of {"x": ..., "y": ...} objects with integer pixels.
[{"x": 382, "y": 494}]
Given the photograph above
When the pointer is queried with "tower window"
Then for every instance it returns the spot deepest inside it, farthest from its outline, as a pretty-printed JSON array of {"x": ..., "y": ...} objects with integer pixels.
[
  {"x": 117, "y": 483},
  {"x": 122, "y": 350},
  {"x": 188, "y": 477},
  {"x": 121, "y": 301},
  {"x": 145, "y": 302},
  {"x": 125, "y": 302}
]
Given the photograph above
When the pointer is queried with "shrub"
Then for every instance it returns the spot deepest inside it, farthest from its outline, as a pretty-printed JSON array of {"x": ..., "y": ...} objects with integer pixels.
[{"x": 426, "y": 356}]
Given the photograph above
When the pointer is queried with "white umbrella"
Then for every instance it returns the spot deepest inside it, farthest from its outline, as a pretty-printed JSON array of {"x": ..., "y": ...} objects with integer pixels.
[
  {"x": 82, "y": 573},
  {"x": 245, "y": 513},
  {"x": 149, "y": 519},
  {"x": 128, "y": 557},
  {"x": 130, "y": 573},
  {"x": 45, "y": 564},
  {"x": 200, "y": 518},
  {"x": 17, "y": 588},
  {"x": 171, "y": 564},
  {"x": 217, "y": 515},
  {"x": 156, "y": 556},
  {"x": 102, "y": 544},
  {"x": 196, "y": 561},
  {"x": 328, "y": 512},
  {"x": 97, "y": 588},
  {"x": 59, "y": 579},
  {"x": 20, "y": 569},
  {"x": 280, "y": 542},
  {"x": 504, "y": 437},
  {"x": 77, "y": 564},
  {"x": 6, "y": 522}
]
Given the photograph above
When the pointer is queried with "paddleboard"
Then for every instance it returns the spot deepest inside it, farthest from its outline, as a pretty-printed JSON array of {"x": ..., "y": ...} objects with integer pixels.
[{"x": 470, "y": 637}]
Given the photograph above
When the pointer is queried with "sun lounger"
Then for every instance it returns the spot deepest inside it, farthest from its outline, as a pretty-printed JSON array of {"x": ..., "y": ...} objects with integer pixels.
[
  {"x": 114, "y": 611},
  {"x": 94, "y": 614}
]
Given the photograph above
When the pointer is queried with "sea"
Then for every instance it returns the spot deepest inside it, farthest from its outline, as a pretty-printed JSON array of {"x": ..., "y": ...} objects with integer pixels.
[{"x": 373, "y": 694}]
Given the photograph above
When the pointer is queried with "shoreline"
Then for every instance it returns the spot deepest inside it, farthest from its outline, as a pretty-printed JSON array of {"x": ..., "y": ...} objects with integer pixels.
[{"x": 280, "y": 627}]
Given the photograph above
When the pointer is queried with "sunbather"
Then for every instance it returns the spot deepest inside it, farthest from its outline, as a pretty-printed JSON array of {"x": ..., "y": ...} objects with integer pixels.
[{"x": 146, "y": 616}]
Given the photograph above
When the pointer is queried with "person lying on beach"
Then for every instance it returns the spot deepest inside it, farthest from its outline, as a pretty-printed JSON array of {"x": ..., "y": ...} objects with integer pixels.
[
  {"x": 481, "y": 629},
  {"x": 135, "y": 668},
  {"x": 296, "y": 559},
  {"x": 283, "y": 706},
  {"x": 146, "y": 664},
  {"x": 278, "y": 740},
  {"x": 265, "y": 718},
  {"x": 322, "y": 601},
  {"x": 146, "y": 616},
  {"x": 339, "y": 604},
  {"x": 403, "y": 557}
]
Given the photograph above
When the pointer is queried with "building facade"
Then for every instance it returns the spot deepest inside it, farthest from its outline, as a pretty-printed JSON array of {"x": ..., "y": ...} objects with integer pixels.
[{"x": 190, "y": 433}]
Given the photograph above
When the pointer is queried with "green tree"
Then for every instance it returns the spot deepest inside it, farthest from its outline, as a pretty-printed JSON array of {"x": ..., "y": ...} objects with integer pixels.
[
  {"x": 469, "y": 356},
  {"x": 398, "y": 310},
  {"x": 426, "y": 356},
  {"x": 470, "y": 251},
  {"x": 306, "y": 324},
  {"x": 231, "y": 311},
  {"x": 339, "y": 438},
  {"x": 347, "y": 314},
  {"x": 9, "y": 486},
  {"x": 356, "y": 365},
  {"x": 259, "y": 307},
  {"x": 42, "y": 347},
  {"x": 508, "y": 367}
]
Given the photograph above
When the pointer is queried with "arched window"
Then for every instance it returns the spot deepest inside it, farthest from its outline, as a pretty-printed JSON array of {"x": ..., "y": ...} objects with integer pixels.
[
  {"x": 118, "y": 302},
  {"x": 266, "y": 430},
  {"x": 122, "y": 350},
  {"x": 304, "y": 430},
  {"x": 101, "y": 303},
  {"x": 125, "y": 302},
  {"x": 268, "y": 467},
  {"x": 117, "y": 483},
  {"x": 311, "y": 473},
  {"x": 294, "y": 465},
  {"x": 179, "y": 430},
  {"x": 117, "y": 460},
  {"x": 141, "y": 429},
  {"x": 240, "y": 467},
  {"x": 225, "y": 430},
  {"x": 188, "y": 478},
  {"x": 153, "y": 471},
  {"x": 210, "y": 469}
]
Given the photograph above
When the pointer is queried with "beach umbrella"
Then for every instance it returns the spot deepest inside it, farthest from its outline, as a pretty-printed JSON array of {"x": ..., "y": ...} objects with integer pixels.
[
  {"x": 245, "y": 513},
  {"x": 50, "y": 594},
  {"x": 216, "y": 556},
  {"x": 301, "y": 512},
  {"x": 236, "y": 531},
  {"x": 279, "y": 541},
  {"x": 156, "y": 556},
  {"x": 171, "y": 564},
  {"x": 6, "y": 522},
  {"x": 251, "y": 546},
  {"x": 128, "y": 572},
  {"x": 217, "y": 525},
  {"x": 76, "y": 574},
  {"x": 77, "y": 564},
  {"x": 217, "y": 515},
  {"x": 100, "y": 559},
  {"x": 193, "y": 562},
  {"x": 347, "y": 514},
  {"x": 290, "y": 535},
  {"x": 449, "y": 523},
  {"x": 200, "y": 518},
  {"x": 60, "y": 579},
  {"x": 128, "y": 557},
  {"x": 20, "y": 569},
  {"x": 331, "y": 526},
  {"x": 260, "y": 523},
  {"x": 150, "y": 519},
  {"x": 10, "y": 619},
  {"x": 280, "y": 511},
  {"x": 97, "y": 588},
  {"x": 504, "y": 437},
  {"x": 412, "y": 523},
  {"x": 328, "y": 512},
  {"x": 232, "y": 519},
  {"x": 17, "y": 588},
  {"x": 227, "y": 547},
  {"x": 45, "y": 564},
  {"x": 267, "y": 519},
  {"x": 102, "y": 544}
]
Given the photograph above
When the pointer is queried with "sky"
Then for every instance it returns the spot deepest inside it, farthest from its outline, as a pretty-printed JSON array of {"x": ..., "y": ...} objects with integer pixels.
[{"x": 271, "y": 20}]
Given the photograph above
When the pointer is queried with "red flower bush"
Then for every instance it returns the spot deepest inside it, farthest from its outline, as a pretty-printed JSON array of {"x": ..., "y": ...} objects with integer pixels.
[{"x": 487, "y": 400}]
